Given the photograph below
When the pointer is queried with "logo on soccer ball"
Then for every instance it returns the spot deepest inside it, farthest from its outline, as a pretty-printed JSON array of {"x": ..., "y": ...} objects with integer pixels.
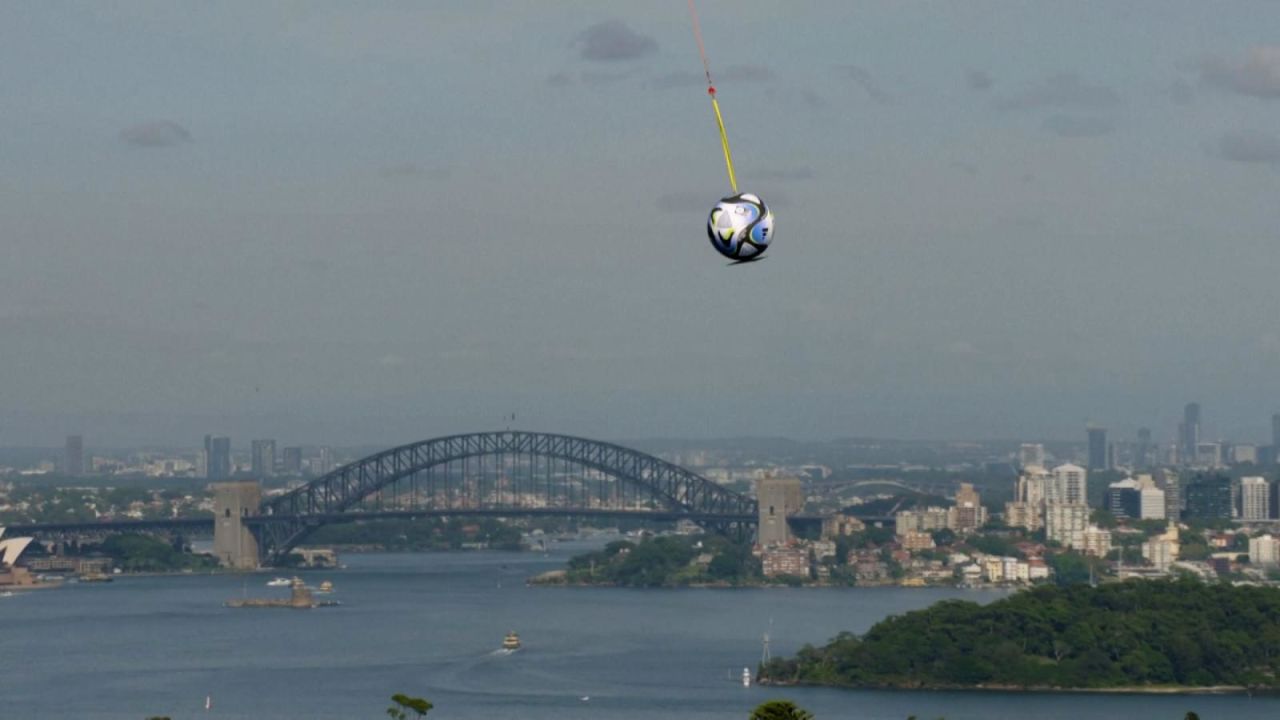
[{"x": 740, "y": 227}]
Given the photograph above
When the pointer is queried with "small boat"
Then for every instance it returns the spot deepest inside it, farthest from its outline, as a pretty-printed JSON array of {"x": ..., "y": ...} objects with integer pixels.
[
  {"x": 325, "y": 587},
  {"x": 280, "y": 582},
  {"x": 511, "y": 642},
  {"x": 746, "y": 677},
  {"x": 6, "y": 593}
]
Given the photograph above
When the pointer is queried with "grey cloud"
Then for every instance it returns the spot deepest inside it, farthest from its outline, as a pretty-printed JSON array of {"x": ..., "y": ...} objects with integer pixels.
[
  {"x": 613, "y": 40},
  {"x": 1258, "y": 74},
  {"x": 1250, "y": 146},
  {"x": 864, "y": 79},
  {"x": 1061, "y": 91},
  {"x": 978, "y": 80},
  {"x": 155, "y": 133},
  {"x": 560, "y": 79},
  {"x": 1078, "y": 126},
  {"x": 732, "y": 74}
]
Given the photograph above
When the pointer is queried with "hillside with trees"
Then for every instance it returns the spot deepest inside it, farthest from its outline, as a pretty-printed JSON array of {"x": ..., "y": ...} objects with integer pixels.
[{"x": 1134, "y": 635}]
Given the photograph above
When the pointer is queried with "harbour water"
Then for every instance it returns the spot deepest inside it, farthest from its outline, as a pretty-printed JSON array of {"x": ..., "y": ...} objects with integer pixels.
[{"x": 432, "y": 625}]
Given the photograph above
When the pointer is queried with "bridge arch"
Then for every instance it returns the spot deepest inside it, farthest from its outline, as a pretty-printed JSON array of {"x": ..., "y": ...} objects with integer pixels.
[{"x": 337, "y": 496}]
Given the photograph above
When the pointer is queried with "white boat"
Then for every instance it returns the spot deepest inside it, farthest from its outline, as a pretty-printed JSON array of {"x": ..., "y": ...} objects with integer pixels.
[
  {"x": 6, "y": 593},
  {"x": 280, "y": 582},
  {"x": 746, "y": 677},
  {"x": 511, "y": 642}
]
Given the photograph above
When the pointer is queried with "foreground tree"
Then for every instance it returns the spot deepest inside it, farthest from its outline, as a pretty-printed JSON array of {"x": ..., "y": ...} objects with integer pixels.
[
  {"x": 405, "y": 704},
  {"x": 780, "y": 710}
]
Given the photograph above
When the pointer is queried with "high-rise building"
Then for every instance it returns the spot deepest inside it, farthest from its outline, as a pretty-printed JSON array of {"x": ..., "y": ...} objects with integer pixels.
[
  {"x": 264, "y": 458},
  {"x": 292, "y": 464},
  {"x": 1031, "y": 455},
  {"x": 1142, "y": 452},
  {"x": 1208, "y": 497},
  {"x": 1027, "y": 508},
  {"x": 1264, "y": 550},
  {"x": 967, "y": 514},
  {"x": 1162, "y": 550},
  {"x": 325, "y": 465},
  {"x": 1189, "y": 434},
  {"x": 217, "y": 451},
  {"x": 1255, "y": 498},
  {"x": 1097, "y": 448},
  {"x": 1168, "y": 481},
  {"x": 1065, "y": 523},
  {"x": 1068, "y": 485},
  {"x": 73, "y": 456},
  {"x": 1124, "y": 499},
  {"x": 1151, "y": 501}
]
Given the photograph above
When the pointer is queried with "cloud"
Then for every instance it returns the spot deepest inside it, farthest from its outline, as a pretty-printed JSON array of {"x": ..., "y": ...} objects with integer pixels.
[
  {"x": 155, "y": 133},
  {"x": 1181, "y": 92},
  {"x": 560, "y": 79},
  {"x": 1250, "y": 146},
  {"x": 1061, "y": 91},
  {"x": 390, "y": 360},
  {"x": 1258, "y": 74},
  {"x": 964, "y": 166},
  {"x": 861, "y": 76},
  {"x": 613, "y": 40},
  {"x": 978, "y": 80},
  {"x": 733, "y": 74},
  {"x": 1078, "y": 126}
]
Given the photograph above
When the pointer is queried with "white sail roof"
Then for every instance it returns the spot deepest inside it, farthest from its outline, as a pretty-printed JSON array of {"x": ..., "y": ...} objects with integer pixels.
[{"x": 11, "y": 549}]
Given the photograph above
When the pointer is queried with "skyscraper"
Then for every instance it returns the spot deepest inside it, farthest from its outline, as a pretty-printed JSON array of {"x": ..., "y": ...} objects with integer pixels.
[
  {"x": 1069, "y": 485},
  {"x": 264, "y": 458},
  {"x": 73, "y": 456},
  {"x": 1189, "y": 434},
  {"x": 326, "y": 461},
  {"x": 292, "y": 464},
  {"x": 217, "y": 457},
  {"x": 1208, "y": 498},
  {"x": 1097, "y": 448},
  {"x": 1031, "y": 455},
  {"x": 1142, "y": 454}
]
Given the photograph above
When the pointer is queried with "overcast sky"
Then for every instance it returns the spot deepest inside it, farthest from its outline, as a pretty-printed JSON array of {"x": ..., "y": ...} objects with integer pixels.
[{"x": 381, "y": 222}]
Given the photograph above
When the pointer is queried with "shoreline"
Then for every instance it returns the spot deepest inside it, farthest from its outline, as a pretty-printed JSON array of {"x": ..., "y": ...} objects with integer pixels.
[{"x": 1048, "y": 689}]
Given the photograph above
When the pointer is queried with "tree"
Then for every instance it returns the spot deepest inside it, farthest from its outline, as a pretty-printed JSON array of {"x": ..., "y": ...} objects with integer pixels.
[
  {"x": 404, "y": 703},
  {"x": 780, "y": 710}
]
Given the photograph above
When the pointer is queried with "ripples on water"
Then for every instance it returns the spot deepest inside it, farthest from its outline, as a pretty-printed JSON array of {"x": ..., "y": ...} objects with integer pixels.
[{"x": 429, "y": 625}]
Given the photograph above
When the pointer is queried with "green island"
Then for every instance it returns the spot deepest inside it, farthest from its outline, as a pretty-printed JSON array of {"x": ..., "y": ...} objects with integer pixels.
[{"x": 1135, "y": 636}]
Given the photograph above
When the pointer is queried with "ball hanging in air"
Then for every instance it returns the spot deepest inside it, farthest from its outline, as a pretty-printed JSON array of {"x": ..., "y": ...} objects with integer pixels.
[{"x": 740, "y": 227}]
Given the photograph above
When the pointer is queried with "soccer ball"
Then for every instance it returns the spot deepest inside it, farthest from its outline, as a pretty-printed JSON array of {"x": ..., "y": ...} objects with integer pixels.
[{"x": 740, "y": 227}]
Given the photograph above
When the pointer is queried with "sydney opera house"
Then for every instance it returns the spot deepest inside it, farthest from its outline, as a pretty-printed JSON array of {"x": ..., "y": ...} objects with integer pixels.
[{"x": 10, "y": 551}]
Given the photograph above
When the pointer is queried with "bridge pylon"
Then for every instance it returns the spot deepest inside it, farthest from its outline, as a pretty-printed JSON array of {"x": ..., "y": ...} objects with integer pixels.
[{"x": 233, "y": 543}]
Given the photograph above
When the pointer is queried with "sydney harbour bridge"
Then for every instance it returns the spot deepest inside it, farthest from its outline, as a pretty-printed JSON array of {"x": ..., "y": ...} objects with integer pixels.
[{"x": 498, "y": 474}]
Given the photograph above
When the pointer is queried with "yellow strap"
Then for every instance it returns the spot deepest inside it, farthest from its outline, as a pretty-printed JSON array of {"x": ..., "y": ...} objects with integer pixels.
[{"x": 724, "y": 142}]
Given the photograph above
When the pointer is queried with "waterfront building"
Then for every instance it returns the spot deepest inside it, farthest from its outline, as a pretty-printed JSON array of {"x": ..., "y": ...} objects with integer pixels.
[
  {"x": 968, "y": 514},
  {"x": 1097, "y": 448},
  {"x": 1037, "y": 569},
  {"x": 73, "y": 456},
  {"x": 1068, "y": 485},
  {"x": 1066, "y": 522},
  {"x": 1264, "y": 550},
  {"x": 838, "y": 525},
  {"x": 1255, "y": 498},
  {"x": 263, "y": 458},
  {"x": 921, "y": 520},
  {"x": 778, "y": 499},
  {"x": 917, "y": 541},
  {"x": 778, "y": 561},
  {"x": 992, "y": 568},
  {"x": 10, "y": 550}
]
